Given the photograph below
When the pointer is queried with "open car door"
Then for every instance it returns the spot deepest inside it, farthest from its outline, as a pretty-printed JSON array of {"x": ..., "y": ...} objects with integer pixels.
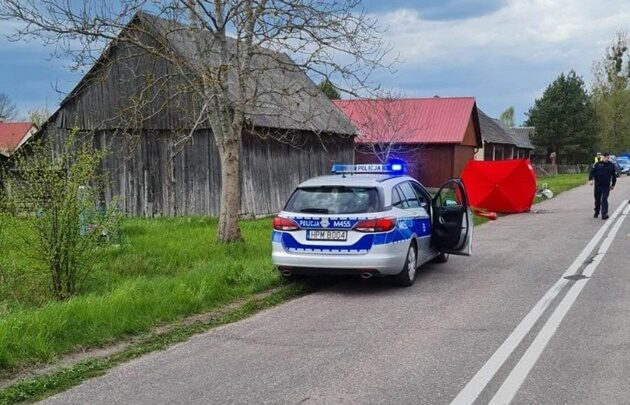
[{"x": 452, "y": 219}]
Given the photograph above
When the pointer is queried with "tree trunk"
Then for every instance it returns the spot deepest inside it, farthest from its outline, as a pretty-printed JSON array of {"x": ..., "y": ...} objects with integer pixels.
[{"x": 229, "y": 230}]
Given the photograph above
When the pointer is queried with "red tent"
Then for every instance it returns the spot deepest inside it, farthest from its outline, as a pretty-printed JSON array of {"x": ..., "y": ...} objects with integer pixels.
[{"x": 502, "y": 186}]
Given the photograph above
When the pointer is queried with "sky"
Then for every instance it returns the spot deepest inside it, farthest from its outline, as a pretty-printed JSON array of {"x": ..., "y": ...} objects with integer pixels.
[{"x": 502, "y": 52}]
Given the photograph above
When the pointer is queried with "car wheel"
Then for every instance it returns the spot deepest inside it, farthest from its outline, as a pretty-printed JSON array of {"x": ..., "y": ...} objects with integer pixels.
[
  {"x": 441, "y": 258},
  {"x": 407, "y": 276}
]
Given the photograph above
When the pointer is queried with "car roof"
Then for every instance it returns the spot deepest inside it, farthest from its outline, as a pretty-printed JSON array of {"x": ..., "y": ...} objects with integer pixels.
[{"x": 356, "y": 180}]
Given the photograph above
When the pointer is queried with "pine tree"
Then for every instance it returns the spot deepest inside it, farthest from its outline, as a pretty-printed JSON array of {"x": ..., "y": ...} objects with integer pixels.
[{"x": 565, "y": 120}]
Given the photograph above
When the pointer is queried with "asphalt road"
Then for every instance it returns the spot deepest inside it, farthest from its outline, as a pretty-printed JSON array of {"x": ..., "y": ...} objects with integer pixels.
[{"x": 501, "y": 326}]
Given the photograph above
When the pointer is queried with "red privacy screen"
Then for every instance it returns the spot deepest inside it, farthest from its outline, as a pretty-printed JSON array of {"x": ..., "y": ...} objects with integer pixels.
[{"x": 502, "y": 186}]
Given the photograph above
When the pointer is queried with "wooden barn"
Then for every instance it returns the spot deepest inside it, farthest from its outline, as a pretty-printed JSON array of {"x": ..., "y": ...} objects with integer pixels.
[
  {"x": 523, "y": 147},
  {"x": 436, "y": 136},
  {"x": 524, "y": 135},
  {"x": 167, "y": 163},
  {"x": 501, "y": 142}
]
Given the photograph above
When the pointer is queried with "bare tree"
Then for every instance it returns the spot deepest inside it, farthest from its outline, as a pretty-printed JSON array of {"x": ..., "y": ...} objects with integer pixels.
[
  {"x": 38, "y": 116},
  {"x": 387, "y": 129},
  {"x": 235, "y": 46},
  {"x": 8, "y": 110}
]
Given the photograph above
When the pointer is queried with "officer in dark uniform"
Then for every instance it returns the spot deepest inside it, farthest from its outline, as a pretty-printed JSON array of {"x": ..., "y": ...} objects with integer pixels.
[{"x": 605, "y": 178}]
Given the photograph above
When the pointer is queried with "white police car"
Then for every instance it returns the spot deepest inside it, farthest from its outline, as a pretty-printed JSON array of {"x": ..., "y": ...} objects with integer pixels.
[{"x": 371, "y": 220}]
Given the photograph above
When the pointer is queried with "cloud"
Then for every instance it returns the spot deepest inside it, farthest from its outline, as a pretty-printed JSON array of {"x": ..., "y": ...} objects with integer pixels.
[
  {"x": 511, "y": 52},
  {"x": 533, "y": 31}
]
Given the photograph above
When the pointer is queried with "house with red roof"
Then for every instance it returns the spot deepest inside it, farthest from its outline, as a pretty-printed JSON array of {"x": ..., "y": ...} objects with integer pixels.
[
  {"x": 435, "y": 136},
  {"x": 13, "y": 135}
]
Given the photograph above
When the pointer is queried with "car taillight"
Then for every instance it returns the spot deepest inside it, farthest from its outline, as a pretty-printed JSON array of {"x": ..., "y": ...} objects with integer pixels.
[
  {"x": 376, "y": 225},
  {"x": 284, "y": 224}
]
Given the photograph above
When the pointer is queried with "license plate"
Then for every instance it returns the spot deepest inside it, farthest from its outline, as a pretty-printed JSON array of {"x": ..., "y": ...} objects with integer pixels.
[{"x": 326, "y": 235}]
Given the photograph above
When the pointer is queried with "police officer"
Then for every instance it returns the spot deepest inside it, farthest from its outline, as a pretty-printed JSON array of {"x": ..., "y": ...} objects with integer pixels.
[
  {"x": 605, "y": 178},
  {"x": 598, "y": 158}
]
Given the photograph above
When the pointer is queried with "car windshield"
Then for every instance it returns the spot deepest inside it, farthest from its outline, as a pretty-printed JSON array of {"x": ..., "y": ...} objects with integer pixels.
[
  {"x": 334, "y": 200},
  {"x": 623, "y": 161}
]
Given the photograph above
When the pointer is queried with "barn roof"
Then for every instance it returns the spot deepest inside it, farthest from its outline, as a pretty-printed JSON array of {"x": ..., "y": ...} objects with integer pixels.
[
  {"x": 524, "y": 135},
  {"x": 13, "y": 135},
  {"x": 519, "y": 140},
  {"x": 436, "y": 120},
  {"x": 495, "y": 131},
  {"x": 287, "y": 97},
  {"x": 492, "y": 132}
]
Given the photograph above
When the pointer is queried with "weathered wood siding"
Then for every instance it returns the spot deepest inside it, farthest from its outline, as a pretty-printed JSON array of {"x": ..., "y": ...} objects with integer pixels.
[
  {"x": 139, "y": 178},
  {"x": 128, "y": 88},
  {"x": 140, "y": 151}
]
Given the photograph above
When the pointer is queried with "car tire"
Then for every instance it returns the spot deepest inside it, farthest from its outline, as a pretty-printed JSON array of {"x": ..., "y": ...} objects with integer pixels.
[
  {"x": 407, "y": 275},
  {"x": 441, "y": 258}
]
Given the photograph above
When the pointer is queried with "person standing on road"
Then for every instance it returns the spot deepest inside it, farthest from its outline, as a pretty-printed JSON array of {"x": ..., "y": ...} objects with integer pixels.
[{"x": 603, "y": 175}]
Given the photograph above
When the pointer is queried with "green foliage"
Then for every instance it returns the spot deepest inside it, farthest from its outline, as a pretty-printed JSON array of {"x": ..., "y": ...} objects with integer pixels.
[
  {"x": 616, "y": 65},
  {"x": 329, "y": 90},
  {"x": 51, "y": 211},
  {"x": 565, "y": 120},
  {"x": 165, "y": 269},
  {"x": 613, "y": 113},
  {"x": 612, "y": 97},
  {"x": 507, "y": 117}
]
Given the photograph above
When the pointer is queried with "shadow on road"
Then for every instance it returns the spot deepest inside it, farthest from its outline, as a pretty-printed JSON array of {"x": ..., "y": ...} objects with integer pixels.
[{"x": 357, "y": 286}]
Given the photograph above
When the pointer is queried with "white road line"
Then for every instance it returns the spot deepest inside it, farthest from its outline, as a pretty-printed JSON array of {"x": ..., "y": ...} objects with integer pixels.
[
  {"x": 471, "y": 391},
  {"x": 513, "y": 382}
]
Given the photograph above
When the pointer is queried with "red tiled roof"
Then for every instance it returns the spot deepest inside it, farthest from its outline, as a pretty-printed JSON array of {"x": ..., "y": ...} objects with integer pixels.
[
  {"x": 12, "y": 134},
  {"x": 413, "y": 120}
]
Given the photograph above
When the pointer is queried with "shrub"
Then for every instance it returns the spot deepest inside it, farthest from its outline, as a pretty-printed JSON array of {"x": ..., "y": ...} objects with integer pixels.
[{"x": 52, "y": 210}]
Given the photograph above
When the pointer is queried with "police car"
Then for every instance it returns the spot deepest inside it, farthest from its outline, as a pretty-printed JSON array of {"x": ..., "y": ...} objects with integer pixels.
[{"x": 370, "y": 220}]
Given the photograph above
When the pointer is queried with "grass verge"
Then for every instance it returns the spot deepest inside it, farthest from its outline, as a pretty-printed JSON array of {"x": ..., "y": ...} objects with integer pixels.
[
  {"x": 42, "y": 386},
  {"x": 561, "y": 183},
  {"x": 166, "y": 270}
]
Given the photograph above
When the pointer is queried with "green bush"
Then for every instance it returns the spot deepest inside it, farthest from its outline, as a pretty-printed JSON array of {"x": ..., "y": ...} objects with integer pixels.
[{"x": 51, "y": 210}]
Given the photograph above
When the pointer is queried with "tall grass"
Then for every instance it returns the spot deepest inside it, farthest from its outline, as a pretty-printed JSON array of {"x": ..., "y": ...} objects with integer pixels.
[{"x": 166, "y": 269}]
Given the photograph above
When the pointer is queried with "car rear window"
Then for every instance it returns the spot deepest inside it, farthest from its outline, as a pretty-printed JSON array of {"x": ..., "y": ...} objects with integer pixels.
[{"x": 334, "y": 200}]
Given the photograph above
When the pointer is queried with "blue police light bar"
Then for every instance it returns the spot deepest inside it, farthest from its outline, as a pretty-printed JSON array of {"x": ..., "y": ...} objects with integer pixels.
[{"x": 387, "y": 168}]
